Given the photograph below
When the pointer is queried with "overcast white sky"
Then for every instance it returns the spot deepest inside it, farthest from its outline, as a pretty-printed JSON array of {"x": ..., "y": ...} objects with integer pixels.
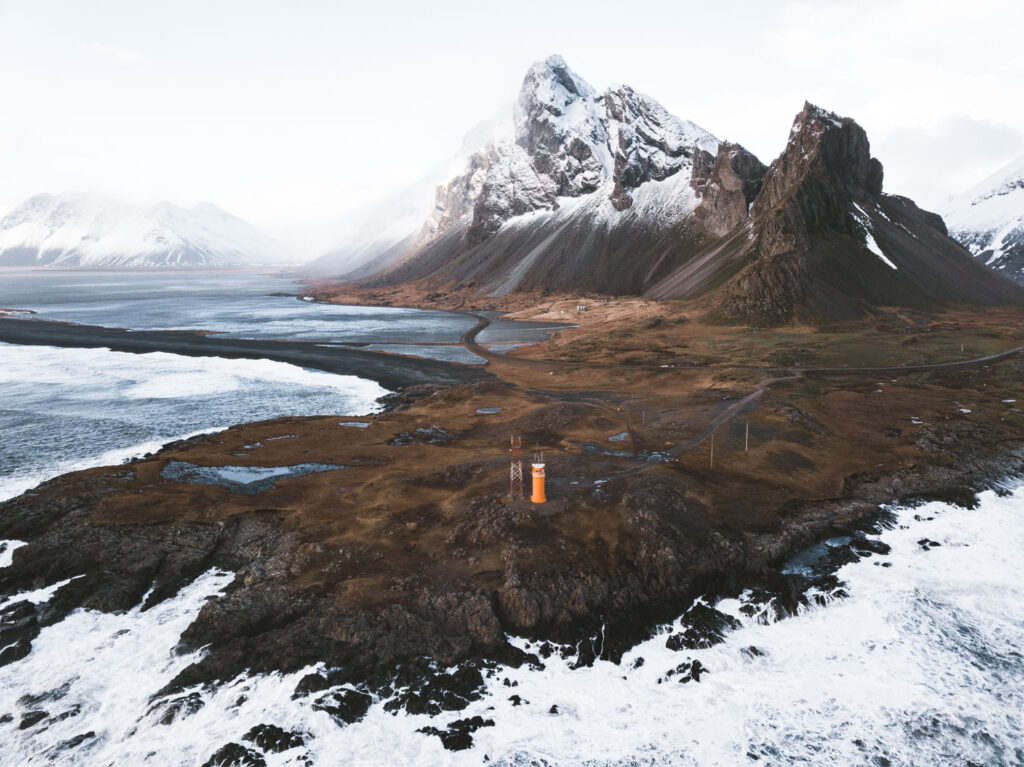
[{"x": 298, "y": 115}]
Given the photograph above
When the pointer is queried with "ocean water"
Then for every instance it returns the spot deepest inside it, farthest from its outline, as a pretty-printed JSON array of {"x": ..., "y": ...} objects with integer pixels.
[
  {"x": 68, "y": 409},
  {"x": 240, "y": 305},
  {"x": 921, "y": 664}
]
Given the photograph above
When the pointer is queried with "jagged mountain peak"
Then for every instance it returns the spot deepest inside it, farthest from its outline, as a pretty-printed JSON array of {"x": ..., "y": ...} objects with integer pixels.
[
  {"x": 830, "y": 148},
  {"x": 561, "y": 126},
  {"x": 824, "y": 242},
  {"x": 552, "y": 83},
  {"x": 607, "y": 191},
  {"x": 568, "y": 141}
]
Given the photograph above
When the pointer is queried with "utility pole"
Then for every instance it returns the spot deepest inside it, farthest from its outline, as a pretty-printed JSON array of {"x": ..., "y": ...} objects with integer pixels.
[
  {"x": 712, "y": 450},
  {"x": 746, "y": 439}
]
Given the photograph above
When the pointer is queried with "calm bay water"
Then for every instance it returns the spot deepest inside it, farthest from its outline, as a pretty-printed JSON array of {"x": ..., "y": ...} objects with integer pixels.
[{"x": 66, "y": 409}]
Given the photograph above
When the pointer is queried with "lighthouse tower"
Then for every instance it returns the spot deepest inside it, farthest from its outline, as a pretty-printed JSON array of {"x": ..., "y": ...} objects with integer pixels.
[{"x": 538, "y": 495}]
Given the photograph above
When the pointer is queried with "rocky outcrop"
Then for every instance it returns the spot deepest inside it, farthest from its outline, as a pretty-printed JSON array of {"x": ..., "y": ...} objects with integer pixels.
[
  {"x": 560, "y": 125},
  {"x": 648, "y": 143},
  {"x": 825, "y": 243},
  {"x": 727, "y": 185},
  {"x": 609, "y": 193}
]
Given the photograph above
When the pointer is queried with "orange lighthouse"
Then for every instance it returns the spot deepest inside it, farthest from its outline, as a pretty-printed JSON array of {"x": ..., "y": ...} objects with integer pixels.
[{"x": 538, "y": 484}]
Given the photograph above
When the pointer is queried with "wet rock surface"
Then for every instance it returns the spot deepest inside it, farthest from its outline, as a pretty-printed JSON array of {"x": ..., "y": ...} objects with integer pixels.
[
  {"x": 458, "y": 735},
  {"x": 179, "y": 707},
  {"x": 345, "y": 706},
  {"x": 270, "y": 737},
  {"x": 235, "y": 755},
  {"x": 705, "y": 627},
  {"x": 19, "y": 625}
]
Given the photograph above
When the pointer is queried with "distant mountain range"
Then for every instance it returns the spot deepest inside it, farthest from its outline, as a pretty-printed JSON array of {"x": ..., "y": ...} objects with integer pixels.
[
  {"x": 989, "y": 220},
  {"x": 87, "y": 231},
  {"x": 608, "y": 192}
]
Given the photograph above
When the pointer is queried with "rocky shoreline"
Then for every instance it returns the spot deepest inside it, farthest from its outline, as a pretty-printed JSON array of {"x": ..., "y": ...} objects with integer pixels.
[
  {"x": 265, "y": 623},
  {"x": 392, "y": 558}
]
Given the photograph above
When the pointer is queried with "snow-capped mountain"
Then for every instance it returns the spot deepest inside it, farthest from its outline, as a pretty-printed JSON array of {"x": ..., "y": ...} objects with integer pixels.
[
  {"x": 87, "y": 231},
  {"x": 568, "y": 141},
  {"x": 579, "y": 178},
  {"x": 989, "y": 220},
  {"x": 608, "y": 192}
]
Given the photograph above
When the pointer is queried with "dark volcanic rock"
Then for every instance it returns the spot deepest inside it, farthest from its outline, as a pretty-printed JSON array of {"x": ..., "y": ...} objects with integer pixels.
[
  {"x": 344, "y": 706},
  {"x": 826, "y": 166},
  {"x": 235, "y": 755},
  {"x": 15, "y": 651},
  {"x": 179, "y": 707},
  {"x": 435, "y": 692},
  {"x": 706, "y": 627},
  {"x": 458, "y": 736},
  {"x": 690, "y": 671},
  {"x": 75, "y": 742},
  {"x": 19, "y": 625},
  {"x": 810, "y": 254},
  {"x": 727, "y": 188},
  {"x": 310, "y": 683},
  {"x": 270, "y": 737},
  {"x": 31, "y": 719},
  {"x": 32, "y": 701}
]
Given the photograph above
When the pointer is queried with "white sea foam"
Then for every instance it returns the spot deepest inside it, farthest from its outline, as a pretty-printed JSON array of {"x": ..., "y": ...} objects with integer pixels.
[
  {"x": 920, "y": 665},
  {"x": 112, "y": 664},
  {"x": 31, "y": 476},
  {"x": 7, "y": 549},
  {"x": 70, "y": 409}
]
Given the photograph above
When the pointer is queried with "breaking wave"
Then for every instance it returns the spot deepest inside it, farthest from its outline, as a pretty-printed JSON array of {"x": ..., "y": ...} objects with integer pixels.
[
  {"x": 69, "y": 409},
  {"x": 917, "y": 662}
]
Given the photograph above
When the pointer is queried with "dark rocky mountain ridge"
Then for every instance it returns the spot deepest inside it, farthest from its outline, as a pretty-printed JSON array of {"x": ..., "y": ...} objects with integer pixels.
[{"x": 609, "y": 193}]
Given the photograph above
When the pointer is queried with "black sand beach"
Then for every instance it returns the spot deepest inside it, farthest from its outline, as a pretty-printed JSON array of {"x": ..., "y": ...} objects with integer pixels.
[{"x": 389, "y": 370}]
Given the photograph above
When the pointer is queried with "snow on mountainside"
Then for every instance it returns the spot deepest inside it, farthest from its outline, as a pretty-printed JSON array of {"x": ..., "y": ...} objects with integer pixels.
[
  {"x": 85, "y": 231},
  {"x": 564, "y": 155},
  {"x": 577, "y": 181},
  {"x": 568, "y": 141},
  {"x": 989, "y": 220},
  {"x": 607, "y": 192}
]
